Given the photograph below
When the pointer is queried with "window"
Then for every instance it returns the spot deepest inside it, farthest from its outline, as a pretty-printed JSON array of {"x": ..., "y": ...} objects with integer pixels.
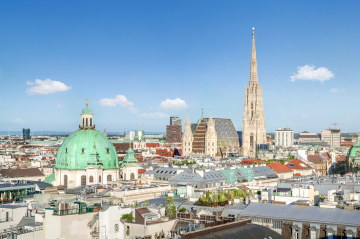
[
  {"x": 109, "y": 177},
  {"x": 83, "y": 121},
  {"x": 132, "y": 176},
  {"x": 107, "y": 151},
  {"x": 65, "y": 180},
  {"x": 66, "y": 150},
  {"x": 116, "y": 227},
  {"x": 91, "y": 179},
  {"x": 83, "y": 180},
  {"x": 90, "y": 121},
  {"x": 82, "y": 151},
  {"x": 99, "y": 179},
  {"x": 86, "y": 122}
]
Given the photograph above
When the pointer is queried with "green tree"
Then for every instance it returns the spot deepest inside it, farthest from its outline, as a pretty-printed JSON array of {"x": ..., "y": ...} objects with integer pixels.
[
  {"x": 136, "y": 205},
  {"x": 128, "y": 216},
  {"x": 182, "y": 209},
  {"x": 169, "y": 200},
  {"x": 146, "y": 203}
]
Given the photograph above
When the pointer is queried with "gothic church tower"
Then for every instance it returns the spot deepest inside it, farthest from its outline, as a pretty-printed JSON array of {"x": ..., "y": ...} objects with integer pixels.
[
  {"x": 254, "y": 132},
  {"x": 187, "y": 138},
  {"x": 211, "y": 138}
]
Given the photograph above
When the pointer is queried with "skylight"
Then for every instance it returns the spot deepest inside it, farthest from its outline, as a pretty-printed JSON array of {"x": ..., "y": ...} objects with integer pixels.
[{"x": 291, "y": 165}]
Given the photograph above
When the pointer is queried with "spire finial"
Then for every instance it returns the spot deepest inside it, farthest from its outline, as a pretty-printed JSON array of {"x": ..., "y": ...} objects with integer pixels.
[
  {"x": 86, "y": 102},
  {"x": 253, "y": 30}
]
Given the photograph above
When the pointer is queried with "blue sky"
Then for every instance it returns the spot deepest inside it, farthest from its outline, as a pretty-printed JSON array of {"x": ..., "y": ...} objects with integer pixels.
[{"x": 198, "y": 52}]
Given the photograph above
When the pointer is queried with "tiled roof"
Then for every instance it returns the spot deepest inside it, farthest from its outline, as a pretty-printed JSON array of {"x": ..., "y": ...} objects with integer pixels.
[
  {"x": 26, "y": 172},
  {"x": 314, "y": 158},
  {"x": 278, "y": 167},
  {"x": 249, "y": 161},
  {"x": 297, "y": 164},
  {"x": 140, "y": 171}
]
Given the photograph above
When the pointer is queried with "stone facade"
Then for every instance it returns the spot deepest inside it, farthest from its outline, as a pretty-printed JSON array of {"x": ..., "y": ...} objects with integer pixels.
[
  {"x": 254, "y": 132},
  {"x": 211, "y": 138},
  {"x": 187, "y": 138}
]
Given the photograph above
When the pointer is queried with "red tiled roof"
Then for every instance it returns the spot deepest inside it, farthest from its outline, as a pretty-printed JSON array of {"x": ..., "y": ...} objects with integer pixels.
[
  {"x": 152, "y": 145},
  {"x": 249, "y": 161},
  {"x": 278, "y": 167},
  {"x": 298, "y": 164},
  {"x": 340, "y": 158},
  {"x": 140, "y": 171},
  {"x": 297, "y": 174}
]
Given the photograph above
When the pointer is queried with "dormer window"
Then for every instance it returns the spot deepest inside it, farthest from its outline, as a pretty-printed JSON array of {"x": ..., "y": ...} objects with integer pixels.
[
  {"x": 82, "y": 151},
  {"x": 107, "y": 151}
]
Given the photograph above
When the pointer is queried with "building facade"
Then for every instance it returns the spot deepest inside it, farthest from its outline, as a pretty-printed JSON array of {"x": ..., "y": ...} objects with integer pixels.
[
  {"x": 332, "y": 137},
  {"x": 211, "y": 138},
  {"x": 175, "y": 120},
  {"x": 173, "y": 133},
  {"x": 284, "y": 137},
  {"x": 254, "y": 132},
  {"x": 26, "y": 134},
  {"x": 187, "y": 138}
]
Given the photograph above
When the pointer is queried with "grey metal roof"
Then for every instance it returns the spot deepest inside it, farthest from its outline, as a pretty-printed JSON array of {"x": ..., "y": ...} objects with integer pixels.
[
  {"x": 263, "y": 171},
  {"x": 301, "y": 213},
  {"x": 249, "y": 231}
]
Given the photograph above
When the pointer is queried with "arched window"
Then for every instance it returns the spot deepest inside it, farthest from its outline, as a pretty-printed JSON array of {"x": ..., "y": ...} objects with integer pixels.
[
  {"x": 91, "y": 179},
  {"x": 99, "y": 179},
  {"x": 132, "y": 176},
  {"x": 90, "y": 121},
  {"x": 65, "y": 180},
  {"x": 109, "y": 177},
  {"x": 83, "y": 180},
  {"x": 83, "y": 122},
  {"x": 213, "y": 144},
  {"x": 251, "y": 141},
  {"x": 86, "y": 122}
]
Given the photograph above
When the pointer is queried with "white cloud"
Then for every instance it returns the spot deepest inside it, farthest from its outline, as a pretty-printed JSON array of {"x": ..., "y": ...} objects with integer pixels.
[
  {"x": 156, "y": 115},
  {"x": 305, "y": 116},
  {"x": 18, "y": 121},
  {"x": 133, "y": 110},
  {"x": 176, "y": 104},
  {"x": 59, "y": 105},
  {"x": 44, "y": 87},
  {"x": 336, "y": 90},
  {"x": 309, "y": 73},
  {"x": 118, "y": 100}
]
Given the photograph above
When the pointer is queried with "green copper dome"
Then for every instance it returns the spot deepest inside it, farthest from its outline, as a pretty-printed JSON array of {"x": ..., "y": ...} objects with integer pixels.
[
  {"x": 86, "y": 111},
  {"x": 130, "y": 158},
  {"x": 87, "y": 147}
]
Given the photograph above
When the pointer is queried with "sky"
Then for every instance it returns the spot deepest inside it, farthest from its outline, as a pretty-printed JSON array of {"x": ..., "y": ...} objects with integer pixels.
[{"x": 140, "y": 62}]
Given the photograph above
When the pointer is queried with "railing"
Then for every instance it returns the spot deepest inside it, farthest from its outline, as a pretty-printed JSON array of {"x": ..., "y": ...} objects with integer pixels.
[{"x": 72, "y": 211}]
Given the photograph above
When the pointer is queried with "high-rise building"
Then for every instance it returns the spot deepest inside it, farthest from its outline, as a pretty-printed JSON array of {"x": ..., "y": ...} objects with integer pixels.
[
  {"x": 254, "y": 132},
  {"x": 26, "y": 134},
  {"x": 173, "y": 133},
  {"x": 332, "y": 137},
  {"x": 284, "y": 137},
  {"x": 175, "y": 120}
]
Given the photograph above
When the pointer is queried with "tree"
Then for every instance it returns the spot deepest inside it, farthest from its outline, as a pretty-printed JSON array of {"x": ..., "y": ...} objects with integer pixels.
[
  {"x": 245, "y": 180},
  {"x": 136, "y": 204},
  {"x": 169, "y": 200},
  {"x": 146, "y": 203},
  {"x": 182, "y": 209},
  {"x": 128, "y": 216},
  {"x": 170, "y": 210}
]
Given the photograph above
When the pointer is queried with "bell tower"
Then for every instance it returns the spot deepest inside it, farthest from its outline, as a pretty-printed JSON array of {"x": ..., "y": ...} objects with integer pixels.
[{"x": 87, "y": 118}]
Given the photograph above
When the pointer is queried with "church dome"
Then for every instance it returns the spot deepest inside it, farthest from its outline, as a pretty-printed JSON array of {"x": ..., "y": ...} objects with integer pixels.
[
  {"x": 86, "y": 111},
  {"x": 87, "y": 147},
  {"x": 83, "y": 146}
]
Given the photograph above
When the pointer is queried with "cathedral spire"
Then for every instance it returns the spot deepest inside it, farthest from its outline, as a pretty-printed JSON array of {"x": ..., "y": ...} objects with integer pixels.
[{"x": 253, "y": 64}]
